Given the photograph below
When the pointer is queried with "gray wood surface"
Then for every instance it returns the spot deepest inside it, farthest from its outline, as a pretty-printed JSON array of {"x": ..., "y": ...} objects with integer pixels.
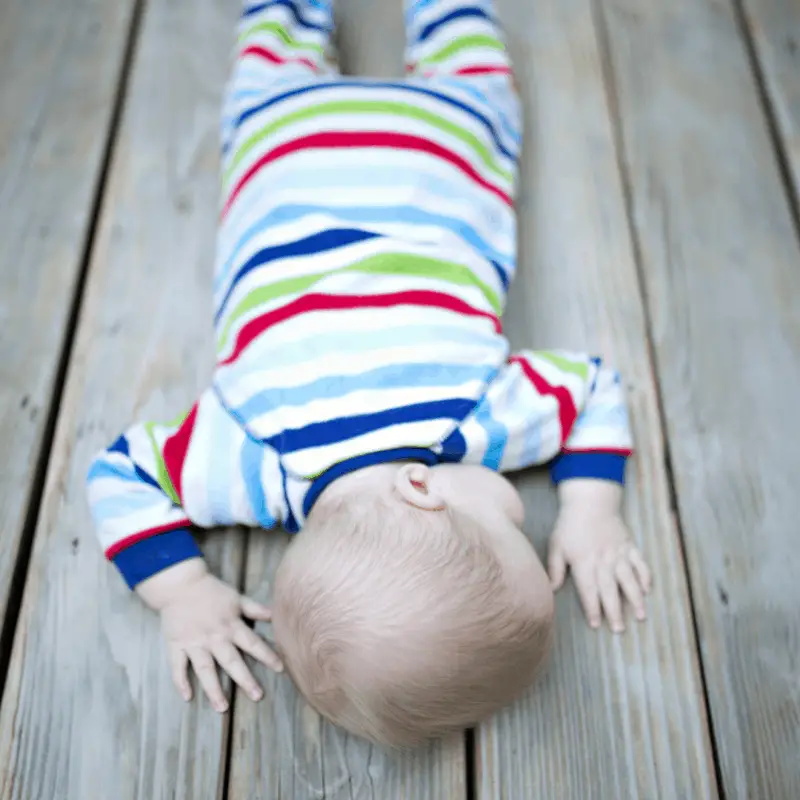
[
  {"x": 89, "y": 711},
  {"x": 59, "y": 66},
  {"x": 615, "y": 717},
  {"x": 281, "y": 750},
  {"x": 774, "y": 26},
  {"x": 722, "y": 274}
]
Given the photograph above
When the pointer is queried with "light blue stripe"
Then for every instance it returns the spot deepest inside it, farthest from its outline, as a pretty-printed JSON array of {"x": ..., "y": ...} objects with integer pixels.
[
  {"x": 385, "y": 178},
  {"x": 469, "y": 87},
  {"x": 496, "y": 432},
  {"x": 103, "y": 469},
  {"x": 531, "y": 445},
  {"x": 129, "y": 502},
  {"x": 408, "y": 215},
  {"x": 356, "y": 342},
  {"x": 251, "y": 459},
  {"x": 384, "y": 378},
  {"x": 219, "y": 470}
]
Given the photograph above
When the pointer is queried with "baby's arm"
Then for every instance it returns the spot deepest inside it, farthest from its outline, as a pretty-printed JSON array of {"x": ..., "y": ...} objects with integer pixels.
[
  {"x": 135, "y": 489},
  {"x": 569, "y": 410},
  {"x": 590, "y": 536}
]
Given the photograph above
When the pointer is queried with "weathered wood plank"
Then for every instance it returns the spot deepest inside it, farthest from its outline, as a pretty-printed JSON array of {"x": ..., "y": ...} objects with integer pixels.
[
  {"x": 60, "y": 63},
  {"x": 281, "y": 749},
  {"x": 775, "y": 28},
  {"x": 89, "y": 710},
  {"x": 722, "y": 270},
  {"x": 615, "y": 716}
]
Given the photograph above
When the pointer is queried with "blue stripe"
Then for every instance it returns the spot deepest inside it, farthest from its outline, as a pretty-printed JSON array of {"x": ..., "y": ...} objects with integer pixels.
[
  {"x": 319, "y": 434},
  {"x": 131, "y": 501},
  {"x": 154, "y": 554},
  {"x": 531, "y": 430},
  {"x": 219, "y": 467},
  {"x": 103, "y": 469},
  {"x": 132, "y": 473},
  {"x": 359, "y": 462},
  {"x": 409, "y": 87},
  {"x": 473, "y": 88},
  {"x": 496, "y": 432},
  {"x": 301, "y": 21},
  {"x": 408, "y": 215},
  {"x": 357, "y": 342},
  {"x": 290, "y": 523},
  {"x": 120, "y": 446},
  {"x": 144, "y": 477},
  {"x": 454, "y": 447},
  {"x": 600, "y": 466},
  {"x": 392, "y": 376},
  {"x": 316, "y": 243},
  {"x": 459, "y": 13},
  {"x": 252, "y": 457}
]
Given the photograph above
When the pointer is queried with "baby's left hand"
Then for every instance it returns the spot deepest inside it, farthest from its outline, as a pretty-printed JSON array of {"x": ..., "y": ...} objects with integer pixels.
[{"x": 596, "y": 546}]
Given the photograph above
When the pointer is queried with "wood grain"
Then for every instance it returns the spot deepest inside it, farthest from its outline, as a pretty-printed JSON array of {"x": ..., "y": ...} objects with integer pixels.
[
  {"x": 60, "y": 63},
  {"x": 774, "y": 26},
  {"x": 615, "y": 717},
  {"x": 721, "y": 264},
  {"x": 281, "y": 749},
  {"x": 89, "y": 710}
]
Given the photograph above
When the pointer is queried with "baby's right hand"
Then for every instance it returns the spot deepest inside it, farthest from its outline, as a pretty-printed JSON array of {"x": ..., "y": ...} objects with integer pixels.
[{"x": 201, "y": 617}]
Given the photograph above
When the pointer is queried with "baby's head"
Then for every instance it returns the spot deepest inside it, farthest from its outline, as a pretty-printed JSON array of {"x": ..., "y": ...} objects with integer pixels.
[{"x": 411, "y": 604}]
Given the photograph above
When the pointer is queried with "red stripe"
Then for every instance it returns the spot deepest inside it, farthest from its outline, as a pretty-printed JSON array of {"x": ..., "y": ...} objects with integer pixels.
[
  {"x": 124, "y": 544},
  {"x": 567, "y": 412},
  {"x": 262, "y": 52},
  {"x": 487, "y": 70},
  {"x": 175, "y": 451},
  {"x": 611, "y": 451},
  {"x": 326, "y": 302},
  {"x": 346, "y": 139}
]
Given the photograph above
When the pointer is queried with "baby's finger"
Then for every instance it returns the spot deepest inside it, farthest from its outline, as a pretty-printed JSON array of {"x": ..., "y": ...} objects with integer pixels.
[
  {"x": 253, "y": 610},
  {"x": 230, "y": 659},
  {"x": 179, "y": 664},
  {"x": 250, "y": 642},
  {"x": 630, "y": 587},
  {"x": 586, "y": 585},
  {"x": 642, "y": 570},
  {"x": 610, "y": 599},
  {"x": 206, "y": 671},
  {"x": 556, "y": 568}
]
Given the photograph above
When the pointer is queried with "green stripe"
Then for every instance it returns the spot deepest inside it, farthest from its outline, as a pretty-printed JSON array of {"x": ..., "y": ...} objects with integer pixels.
[
  {"x": 382, "y": 264},
  {"x": 366, "y": 107},
  {"x": 464, "y": 43},
  {"x": 281, "y": 33},
  {"x": 565, "y": 364},
  {"x": 162, "y": 476}
]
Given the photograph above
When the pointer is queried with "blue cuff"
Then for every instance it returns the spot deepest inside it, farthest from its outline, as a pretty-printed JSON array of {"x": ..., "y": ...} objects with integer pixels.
[
  {"x": 600, "y": 466},
  {"x": 144, "y": 559}
]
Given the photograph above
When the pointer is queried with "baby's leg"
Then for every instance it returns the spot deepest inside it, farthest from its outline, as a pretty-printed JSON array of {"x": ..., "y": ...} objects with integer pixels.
[
  {"x": 455, "y": 38},
  {"x": 460, "y": 42},
  {"x": 280, "y": 43}
]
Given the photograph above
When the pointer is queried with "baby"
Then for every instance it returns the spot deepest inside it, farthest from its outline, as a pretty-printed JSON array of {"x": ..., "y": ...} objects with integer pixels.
[{"x": 365, "y": 399}]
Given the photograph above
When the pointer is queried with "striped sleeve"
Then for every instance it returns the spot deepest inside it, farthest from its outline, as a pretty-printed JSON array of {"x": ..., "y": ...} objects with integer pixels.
[
  {"x": 555, "y": 407},
  {"x": 157, "y": 480},
  {"x": 137, "y": 512}
]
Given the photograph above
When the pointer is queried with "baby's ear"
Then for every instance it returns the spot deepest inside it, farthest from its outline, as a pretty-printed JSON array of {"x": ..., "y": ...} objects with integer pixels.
[{"x": 413, "y": 484}]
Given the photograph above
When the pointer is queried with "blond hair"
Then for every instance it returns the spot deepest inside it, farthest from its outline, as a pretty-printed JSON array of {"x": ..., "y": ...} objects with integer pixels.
[{"x": 400, "y": 624}]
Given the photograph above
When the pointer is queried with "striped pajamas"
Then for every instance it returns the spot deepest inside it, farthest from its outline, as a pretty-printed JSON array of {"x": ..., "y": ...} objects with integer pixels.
[{"x": 366, "y": 243}]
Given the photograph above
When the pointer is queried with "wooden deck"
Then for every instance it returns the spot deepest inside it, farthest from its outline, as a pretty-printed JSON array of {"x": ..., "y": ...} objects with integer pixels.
[{"x": 659, "y": 225}]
